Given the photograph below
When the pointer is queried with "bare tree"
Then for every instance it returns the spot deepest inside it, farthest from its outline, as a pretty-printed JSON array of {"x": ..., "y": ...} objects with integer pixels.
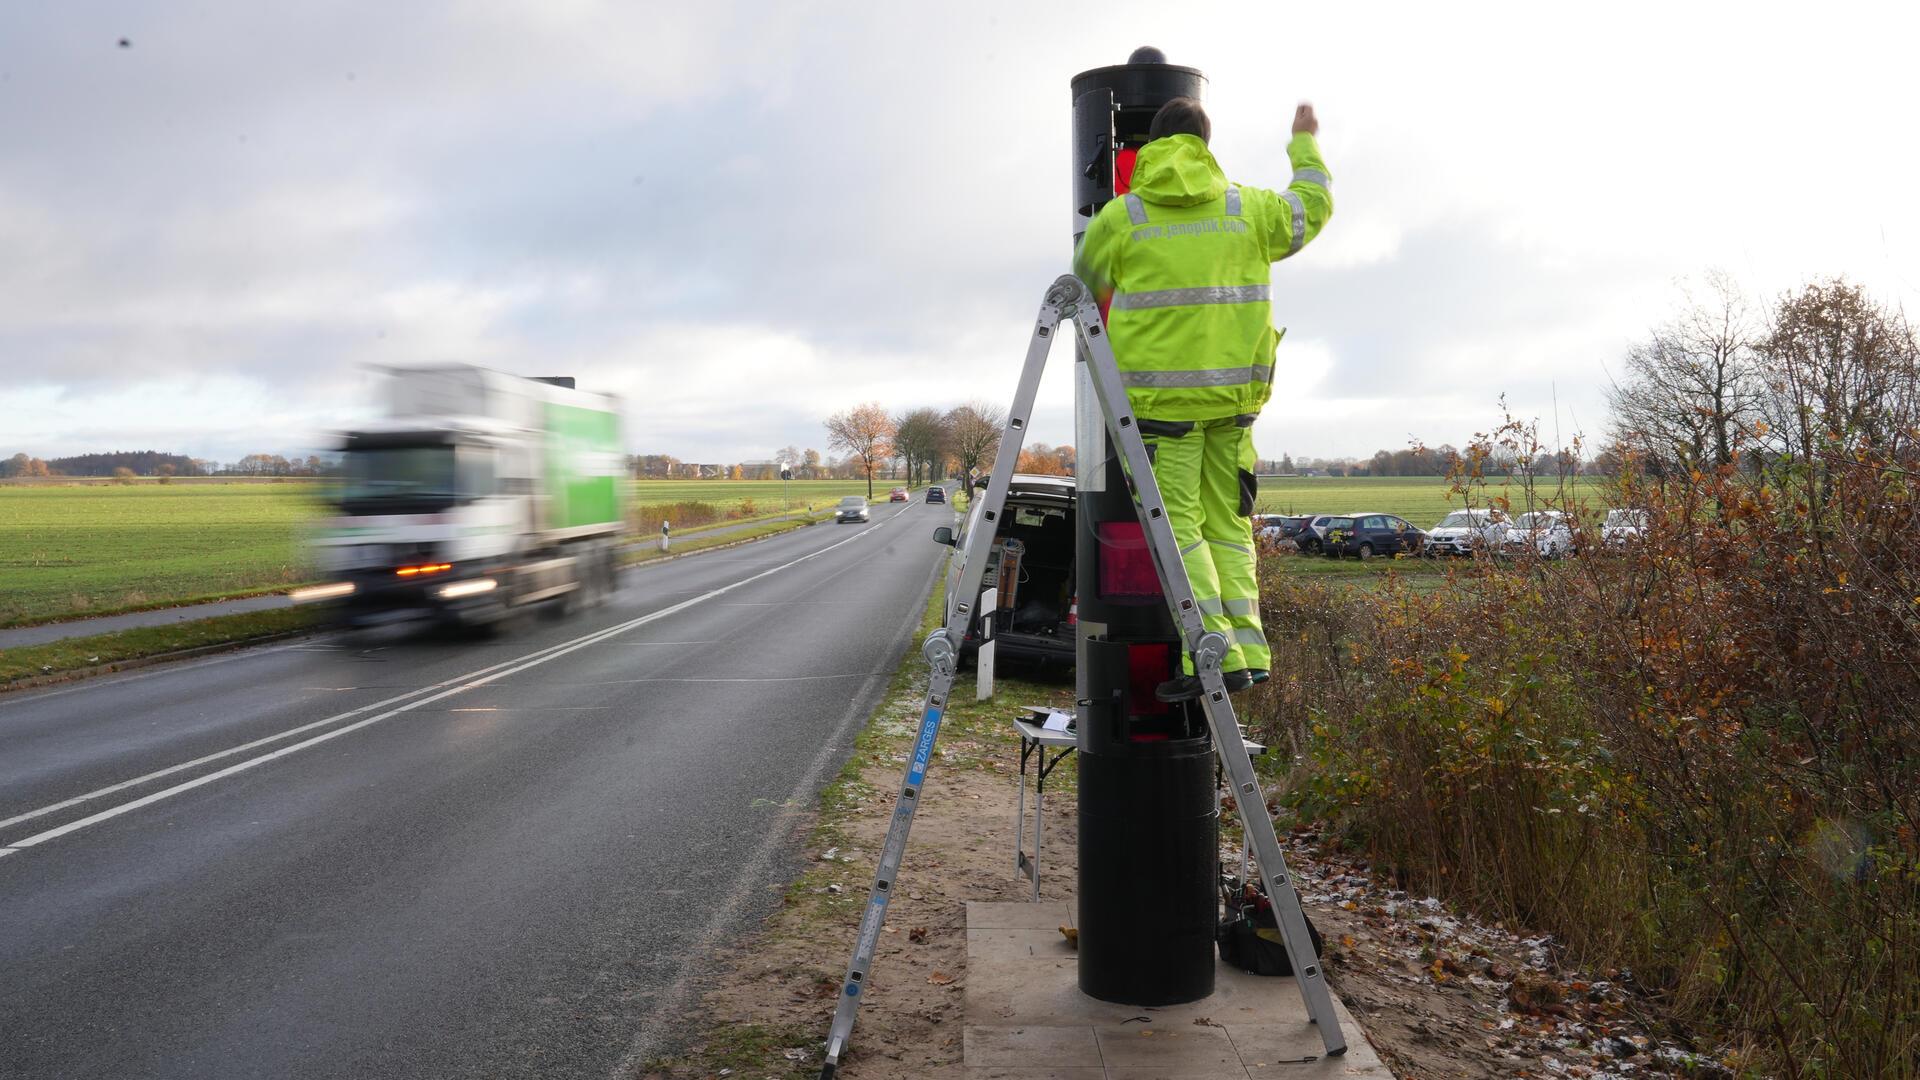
[
  {"x": 1693, "y": 388},
  {"x": 974, "y": 429},
  {"x": 865, "y": 433}
]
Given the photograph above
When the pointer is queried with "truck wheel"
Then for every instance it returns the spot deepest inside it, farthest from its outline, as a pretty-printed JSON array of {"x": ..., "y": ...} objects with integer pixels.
[{"x": 609, "y": 573}]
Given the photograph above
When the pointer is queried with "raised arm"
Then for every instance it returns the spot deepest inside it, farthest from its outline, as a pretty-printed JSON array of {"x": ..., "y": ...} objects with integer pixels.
[{"x": 1303, "y": 208}]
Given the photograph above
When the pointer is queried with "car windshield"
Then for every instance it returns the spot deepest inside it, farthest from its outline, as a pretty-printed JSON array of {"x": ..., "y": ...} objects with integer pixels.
[
  {"x": 1538, "y": 519},
  {"x": 853, "y": 500},
  {"x": 1626, "y": 518},
  {"x": 1459, "y": 519}
]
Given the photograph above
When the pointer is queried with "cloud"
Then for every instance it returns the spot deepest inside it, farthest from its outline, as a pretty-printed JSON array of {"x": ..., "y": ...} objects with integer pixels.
[{"x": 744, "y": 216}]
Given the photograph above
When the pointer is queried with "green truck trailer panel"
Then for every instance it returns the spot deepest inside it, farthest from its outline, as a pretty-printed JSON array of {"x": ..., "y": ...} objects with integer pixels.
[{"x": 585, "y": 468}]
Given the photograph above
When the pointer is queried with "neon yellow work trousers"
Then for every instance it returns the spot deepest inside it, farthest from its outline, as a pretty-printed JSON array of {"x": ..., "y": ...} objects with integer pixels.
[{"x": 1205, "y": 472}]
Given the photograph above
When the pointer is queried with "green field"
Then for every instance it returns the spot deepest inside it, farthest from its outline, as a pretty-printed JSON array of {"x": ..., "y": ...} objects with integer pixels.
[
  {"x": 84, "y": 550},
  {"x": 1422, "y": 500}
]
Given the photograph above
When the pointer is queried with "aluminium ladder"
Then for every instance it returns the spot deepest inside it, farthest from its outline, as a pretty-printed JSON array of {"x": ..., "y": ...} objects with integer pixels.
[{"x": 1068, "y": 300}]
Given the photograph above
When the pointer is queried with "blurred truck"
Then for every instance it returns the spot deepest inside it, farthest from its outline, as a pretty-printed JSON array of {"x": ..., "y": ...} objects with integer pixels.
[{"x": 478, "y": 494}]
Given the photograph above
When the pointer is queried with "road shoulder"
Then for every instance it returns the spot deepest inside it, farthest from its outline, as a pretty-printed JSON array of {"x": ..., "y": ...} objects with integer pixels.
[{"x": 767, "y": 1011}]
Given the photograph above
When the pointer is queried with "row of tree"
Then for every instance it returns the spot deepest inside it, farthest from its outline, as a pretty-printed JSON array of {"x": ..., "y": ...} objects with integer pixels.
[
  {"x": 929, "y": 443},
  {"x": 1824, "y": 367},
  {"x": 126, "y": 464}
]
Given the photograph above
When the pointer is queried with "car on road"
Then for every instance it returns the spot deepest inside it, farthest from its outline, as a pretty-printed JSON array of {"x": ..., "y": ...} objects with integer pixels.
[
  {"x": 851, "y": 508},
  {"x": 1623, "y": 528},
  {"x": 936, "y": 494},
  {"x": 897, "y": 495},
  {"x": 1370, "y": 535},
  {"x": 1031, "y": 565},
  {"x": 1279, "y": 528},
  {"x": 1467, "y": 532},
  {"x": 1547, "y": 533}
]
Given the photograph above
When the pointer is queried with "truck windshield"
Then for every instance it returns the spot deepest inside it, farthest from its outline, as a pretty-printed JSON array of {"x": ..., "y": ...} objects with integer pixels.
[{"x": 399, "y": 479}]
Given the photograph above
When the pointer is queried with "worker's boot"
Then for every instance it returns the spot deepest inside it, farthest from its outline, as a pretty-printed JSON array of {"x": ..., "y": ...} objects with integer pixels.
[{"x": 1183, "y": 688}]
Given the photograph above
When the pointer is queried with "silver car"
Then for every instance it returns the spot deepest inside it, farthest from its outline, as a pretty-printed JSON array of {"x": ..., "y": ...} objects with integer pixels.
[
  {"x": 1464, "y": 532},
  {"x": 1623, "y": 527},
  {"x": 1548, "y": 532},
  {"x": 852, "y": 508}
]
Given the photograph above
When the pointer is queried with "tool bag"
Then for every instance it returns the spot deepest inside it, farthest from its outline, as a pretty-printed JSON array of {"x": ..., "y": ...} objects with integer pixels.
[{"x": 1249, "y": 935}]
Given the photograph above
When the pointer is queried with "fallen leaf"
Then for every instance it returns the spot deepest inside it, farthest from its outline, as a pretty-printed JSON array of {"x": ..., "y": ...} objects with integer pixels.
[
  {"x": 918, "y": 933},
  {"x": 940, "y": 978}
]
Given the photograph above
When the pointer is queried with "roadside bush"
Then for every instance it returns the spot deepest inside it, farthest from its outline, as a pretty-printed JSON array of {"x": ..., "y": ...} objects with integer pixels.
[
  {"x": 1698, "y": 759},
  {"x": 682, "y": 515},
  {"x": 688, "y": 514}
]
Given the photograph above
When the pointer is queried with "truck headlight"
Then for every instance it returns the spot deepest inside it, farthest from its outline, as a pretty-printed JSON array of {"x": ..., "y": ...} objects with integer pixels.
[
  {"x": 314, "y": 593},
  {"x": 467, "y": 588}
]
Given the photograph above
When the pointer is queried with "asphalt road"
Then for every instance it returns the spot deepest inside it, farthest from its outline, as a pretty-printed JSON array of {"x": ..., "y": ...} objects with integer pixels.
[{"x": 504, "y": 857}]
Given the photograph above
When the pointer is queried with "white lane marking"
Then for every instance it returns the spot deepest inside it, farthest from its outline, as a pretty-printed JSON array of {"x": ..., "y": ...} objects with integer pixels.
[
  {"x": 767, "y": 679},
  {"x": 486, "y": 675}
]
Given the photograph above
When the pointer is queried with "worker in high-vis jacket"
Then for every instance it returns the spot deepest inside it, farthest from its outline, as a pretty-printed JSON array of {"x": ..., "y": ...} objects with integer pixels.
[{"x": 1185, "y": 258}]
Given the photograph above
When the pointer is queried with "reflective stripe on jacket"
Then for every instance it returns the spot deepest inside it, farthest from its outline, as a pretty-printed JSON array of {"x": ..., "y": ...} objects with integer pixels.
[{"x": 1187, "y": 258}]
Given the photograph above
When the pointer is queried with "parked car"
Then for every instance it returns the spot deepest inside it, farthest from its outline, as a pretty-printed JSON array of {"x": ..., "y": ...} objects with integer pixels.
[
  {"x": 898, "y": 494},
  {"x": 1623, "y": 527},
  {"x": 1549, "y": 533},
  {"x": 1279, "y": 528},
  {"x": 936, "y": 494},
  {"x": 852, "y": 508},
  {"x": 1033, "y": 551},
  {"x": 1312, "y": 536},
  {"x": 1465, "y": 532},
  {"x": 1368, "y": 535}
]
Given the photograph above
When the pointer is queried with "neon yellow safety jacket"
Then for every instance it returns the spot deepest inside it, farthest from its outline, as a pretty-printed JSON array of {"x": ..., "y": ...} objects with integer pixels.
[{"x": 1187, "y": 258}]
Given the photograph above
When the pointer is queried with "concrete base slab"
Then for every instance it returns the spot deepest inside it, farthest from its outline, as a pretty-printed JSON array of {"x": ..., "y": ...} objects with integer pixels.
[{"x": 1027, "y": 1019}]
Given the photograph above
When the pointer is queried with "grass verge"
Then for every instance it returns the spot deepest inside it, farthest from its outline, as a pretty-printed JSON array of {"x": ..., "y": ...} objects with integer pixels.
[
  {"x": 635, "y": 556},
  {"x": 108, "y": 651},
  {"x": 162, "y": 604}
]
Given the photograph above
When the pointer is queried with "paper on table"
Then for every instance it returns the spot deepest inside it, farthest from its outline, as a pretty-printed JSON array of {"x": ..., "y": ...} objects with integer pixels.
[{"x": 1057, "y": 720}]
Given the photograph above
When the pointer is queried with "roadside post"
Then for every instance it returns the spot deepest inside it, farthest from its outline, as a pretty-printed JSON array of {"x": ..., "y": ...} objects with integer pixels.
[
  {"x": 983, "y": 656},
  {"x": 1149, "y": 819},
  {"x": 786, "y": 504},
  {"x": 666, "y": 535}
]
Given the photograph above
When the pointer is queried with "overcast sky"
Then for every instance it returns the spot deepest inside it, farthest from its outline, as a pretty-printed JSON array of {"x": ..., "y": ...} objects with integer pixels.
[{"x": 743, "y": 217}]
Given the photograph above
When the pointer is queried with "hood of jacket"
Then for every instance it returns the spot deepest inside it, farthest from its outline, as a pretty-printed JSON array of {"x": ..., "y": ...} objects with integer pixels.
[{"x": 1178, "y": 170}]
